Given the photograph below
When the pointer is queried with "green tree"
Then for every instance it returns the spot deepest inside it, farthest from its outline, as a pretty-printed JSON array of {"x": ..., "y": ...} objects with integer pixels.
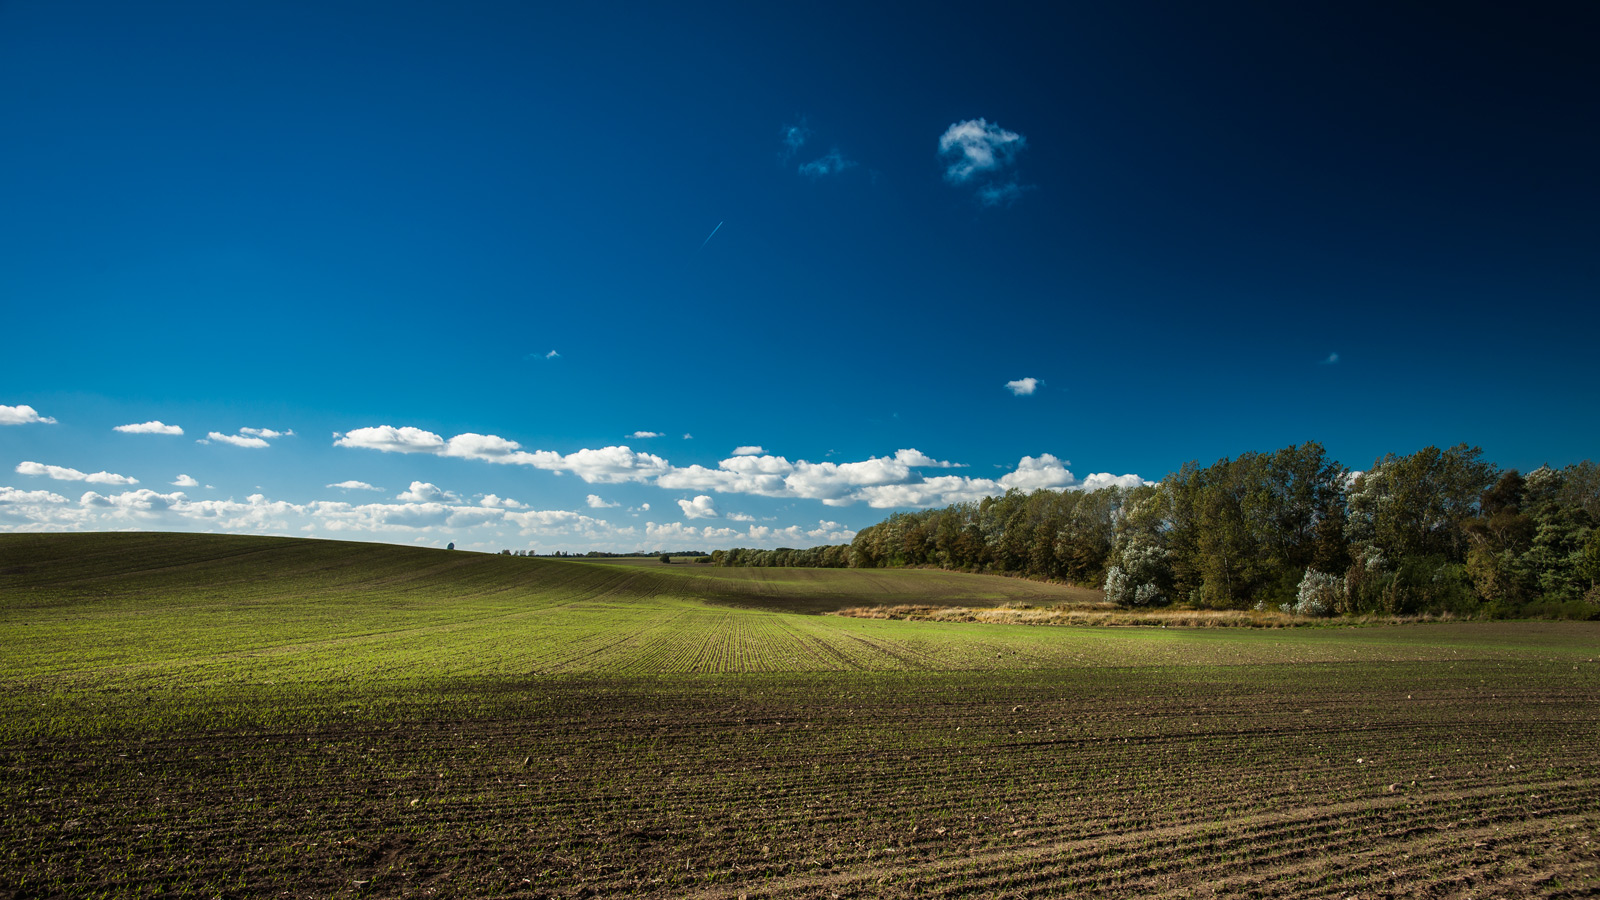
[{"x": 1418, "y": 505}]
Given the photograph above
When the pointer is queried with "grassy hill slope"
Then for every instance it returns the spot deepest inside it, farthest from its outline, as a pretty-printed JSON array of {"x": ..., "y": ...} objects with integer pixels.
[{"x": 206, "y": 609}]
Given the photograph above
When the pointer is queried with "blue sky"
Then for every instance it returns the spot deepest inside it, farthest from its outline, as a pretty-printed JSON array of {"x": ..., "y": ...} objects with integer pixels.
[{"x": 952, "y": 252}]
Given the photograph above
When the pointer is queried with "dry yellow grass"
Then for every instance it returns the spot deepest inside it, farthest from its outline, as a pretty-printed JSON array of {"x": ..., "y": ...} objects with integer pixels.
[{"x": 1111, "y": 616}]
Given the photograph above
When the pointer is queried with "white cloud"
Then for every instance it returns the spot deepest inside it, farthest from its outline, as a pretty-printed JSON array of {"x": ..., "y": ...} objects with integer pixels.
[
  {"x": 489, "y": 526},
  {"x": 423, "y": 492},
  {"x": 142, "y": 500},
  {"x": 831, "y": 163},
  {"x": 1044, "y": 472},
  {"x": 738, "y": 517},
  {"x": 881, "y": 482},
  {"x": 22, "y": 510},
  {"x": 185, "y": 481},
  {"x": 151, "y": 427},
  {"x": 976, "y": 147},
  {"x": 792, "y": 535},
  {"x": 1332, "y": 359},
  {"x": 1022, "y": 387},
  {"x": 62, "y": 473},
  {"x": 393, "y": 440},
  {"x": 673, "y": 535},
  {"x": 552, "y": 355},
  {"x": 941, "y": 491},
  {"x": 567, "y": 522},
  {"x": 488, "y": 448},
  {"x": 645, "y": 435},
  {"x": 253, "y": 438},
  {"x": 701, "y": 507},
  {"x": 918, "y": 458},
  {"x": 1000, "y": 193},
  {"x": 835, "y": 483},
  {"x": 687, "y": 436},
  {"x": 606, "y": 465},
  {"x": 794, "y": 137},
  {"x": 645, "y": 507},
  {"x": 237, "y": 440},
  {"x": 1105, "y": 479},
  {"x": 831, "y": 533},
  {"x": 22, "y": 415},
  {"x": 1049, "y": 472},
  {"x": 14, "y": 495},
  {"x": 493, "y": 501},
  {"x": 353, "y": 485},
  {"x": 762, "y": 475}
]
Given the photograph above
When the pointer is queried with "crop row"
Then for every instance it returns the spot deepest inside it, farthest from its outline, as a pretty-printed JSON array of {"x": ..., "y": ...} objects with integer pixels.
[{"x": 1377, "y": 781}]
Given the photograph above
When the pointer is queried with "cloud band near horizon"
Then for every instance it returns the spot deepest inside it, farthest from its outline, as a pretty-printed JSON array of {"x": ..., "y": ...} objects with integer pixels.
[{"x": 881, "y": 482}]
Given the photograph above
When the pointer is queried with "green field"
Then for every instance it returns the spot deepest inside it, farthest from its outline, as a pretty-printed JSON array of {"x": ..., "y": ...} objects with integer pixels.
[{"x": 195, "y": 715}]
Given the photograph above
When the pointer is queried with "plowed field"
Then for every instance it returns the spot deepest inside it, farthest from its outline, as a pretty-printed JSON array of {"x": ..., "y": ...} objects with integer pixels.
[{"x": 238, "y": 717}]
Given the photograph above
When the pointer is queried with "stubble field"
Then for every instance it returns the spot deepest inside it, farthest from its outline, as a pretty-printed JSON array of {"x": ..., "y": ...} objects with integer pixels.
[{"x": 207, "y": 716}]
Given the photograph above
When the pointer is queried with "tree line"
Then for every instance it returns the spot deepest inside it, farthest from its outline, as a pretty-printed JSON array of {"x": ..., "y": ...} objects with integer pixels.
[{"x": 1438, "y": 531}]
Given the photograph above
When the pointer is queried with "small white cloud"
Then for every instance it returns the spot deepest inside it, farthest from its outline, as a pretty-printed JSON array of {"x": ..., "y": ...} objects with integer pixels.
[
  {"x": 1001, "y": 194},
  {"x": 830, "y": 164},
  {"x": 22, "y": 415},
  {"x": 794, "y": 137},
  {"x": 423, "y": 492},
  {"x": 595, "y": 502},
  {"x": 13, "y": 495},
  {"x": 493, "y": 501},
  {"x": 645, "y": 507},
  {"x": 1332, "y": 359},
  {"x": 151, "y": 427},
  {"x": 1044, "y": 472},
  {"x": 1022, "y": 387},
  {"x": 922, "y": 460},
  {"x": 266, "y": 433},
  {"x": 389, "y": 439},
  {"x": 552, "y": 355},
  {"x": 1100, "y": 480},
  {"x": 143, "y": 500},
  {"x": 354, "y": 485},
  {"x": 975, "y": 147},
  {"x": 237, "y": 440},
  {"x": 645, "y": 435},
  {"x": 687, "y": 436},
  {"x": 62, "y": 473},
  {"x": 185, "y": 481},
  {"x": 701, "y": 507},
  {"x": 748, "y": 450},
  {"x": 739, "y": 517},
  {"x": 605, "y": 465}
]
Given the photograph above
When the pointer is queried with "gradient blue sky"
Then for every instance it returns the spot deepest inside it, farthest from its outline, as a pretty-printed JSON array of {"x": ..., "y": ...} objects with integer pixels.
[{"x": 1200, "y": 229}]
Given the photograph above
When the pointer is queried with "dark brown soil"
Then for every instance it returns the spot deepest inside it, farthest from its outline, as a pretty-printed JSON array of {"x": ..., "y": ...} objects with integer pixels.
[{"x": 1408, "y": 779}]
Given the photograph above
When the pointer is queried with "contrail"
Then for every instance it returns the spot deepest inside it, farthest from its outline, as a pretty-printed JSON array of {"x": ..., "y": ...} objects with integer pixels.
[{"x": 709, "y": 236}]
